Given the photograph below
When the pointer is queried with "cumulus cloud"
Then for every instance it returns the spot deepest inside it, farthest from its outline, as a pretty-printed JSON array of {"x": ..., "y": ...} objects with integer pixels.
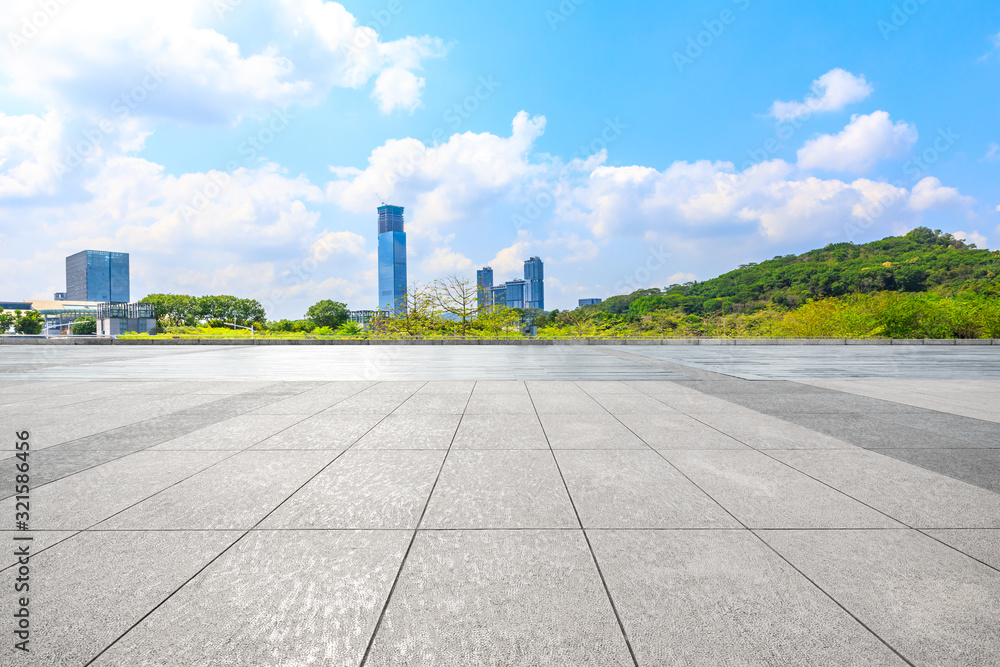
[
  {"x": 929, "y": 193},
  {"x": 831, "y": 92},
  {"x": 94, "y": 55},
  {"x": 29, "y": 153},
  {"x": 863, "y": 143},
  {"x": 447, "y": 183},
  {"x": 973, "y": 237},
  {"x": 771, "y": 201}
]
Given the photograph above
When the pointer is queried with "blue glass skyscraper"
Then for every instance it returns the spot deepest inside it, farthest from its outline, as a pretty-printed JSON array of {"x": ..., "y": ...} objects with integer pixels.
[
  {"x": 484, "y": 287},
  {"x": 534, "y": 276},
  {"x": 97, "y": 275},
  {"x": 391, "y": 259}
]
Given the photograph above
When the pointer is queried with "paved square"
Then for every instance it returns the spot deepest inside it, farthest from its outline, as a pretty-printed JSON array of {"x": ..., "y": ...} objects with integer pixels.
[{"x": 502, "y": 505}]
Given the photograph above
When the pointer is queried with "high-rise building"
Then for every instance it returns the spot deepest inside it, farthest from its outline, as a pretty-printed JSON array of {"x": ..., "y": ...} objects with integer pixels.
[
  {"x": 391, "y": 259},
  {"x": 534, "y": 276},
  {"x": 589, "y": 302},
  {"x": 515, "y": 293},
  {"x": 484, "y": 287},
  {"x": 97, "y": 275}
]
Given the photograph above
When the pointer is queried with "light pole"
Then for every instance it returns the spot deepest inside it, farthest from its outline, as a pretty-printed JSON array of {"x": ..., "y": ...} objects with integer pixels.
[{"x": 240, "y": 326}]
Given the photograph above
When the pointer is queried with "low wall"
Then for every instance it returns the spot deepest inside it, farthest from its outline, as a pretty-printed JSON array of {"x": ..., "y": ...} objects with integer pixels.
[{"x": 27, "y": 340}]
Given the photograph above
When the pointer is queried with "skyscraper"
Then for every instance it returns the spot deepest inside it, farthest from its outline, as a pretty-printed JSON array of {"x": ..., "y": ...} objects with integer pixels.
[
  {"x": 391, "y": 259},
  {"x": 97, "y": 275},
  {"x": 534, "y": 276},
  {"x": 484, "y": 287}
]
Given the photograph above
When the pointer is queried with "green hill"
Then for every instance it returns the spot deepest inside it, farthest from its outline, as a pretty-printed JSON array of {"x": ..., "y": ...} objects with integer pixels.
[{"x": 923, "y": 260}]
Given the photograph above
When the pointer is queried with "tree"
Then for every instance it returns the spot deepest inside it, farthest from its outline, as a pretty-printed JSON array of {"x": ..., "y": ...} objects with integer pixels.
[
  {"x": 499, "y": 321},
  {"x": 174, "y": 309},
  {"x": 7, "y": 320},
  {"x": 30, "y": 323},
  {"x": 229, "y": 309},
  {"x": 458, "y": 297},
  {"x": 85, "y": 326},
  {"x": 327, "y": 313},
  {"x": 418, "y": 317}
]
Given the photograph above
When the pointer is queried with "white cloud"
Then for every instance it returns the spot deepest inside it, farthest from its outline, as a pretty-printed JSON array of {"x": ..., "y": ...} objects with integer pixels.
[
  {"x": 29, "y": 153},
  {"x": 862, "y": 144},
  {"x": 929, "y": 193},
  {"x": 831, "y": 92},
  {"x": 451, "y": 182},
  {"x": 770, "y": 201},
  {"x": 680, "y": 278},
  {"x": 992, "y": 153},
  {"x": 93, "y": 55},
  {"x": 972, "y": 237}
]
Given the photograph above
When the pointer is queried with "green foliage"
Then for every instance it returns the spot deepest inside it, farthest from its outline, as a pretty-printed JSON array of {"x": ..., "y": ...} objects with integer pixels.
[
  {"x": 85, "y": 326},
  {"x": 184, "y": 310},
  {"x": 350, "y": 329},
  {"x": 923, "y": 260},
  {"x": 289, "y": 326},
  {"x": 29, "y": 322},
  {"x": 327, "y": 313},
  {"x": 7, "y": 320}
]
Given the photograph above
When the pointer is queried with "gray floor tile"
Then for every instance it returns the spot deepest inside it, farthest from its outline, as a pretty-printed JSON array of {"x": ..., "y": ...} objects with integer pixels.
[
  {"x": 236, "y": 493},
  {"x": 500, "y": 489},
  {"x": 932, "y": 604},
  {"x": 411, "y": 431},
  {"x": 323, "y": 431},
  {"x": 435, "y": 404},
  {"x": 79, "y": 501},
  {"x": 763, "y": 493},
  {"x": 636, "y": 489},
  {"x": 363, "y": 490},
  {"x": 499, "y": 404},
  {"x": 722, "y": 597},
  {"x": 874, "y": 433},
  {"x": 276, "y": 598},
  {"x": 765, "y": 432},
  {"x": 477, "y": 598},
  {"x": 983, "y": 545},
  {"x": 974, "y": 466},
  {"x": 618, "y": 404},
  {"x": 569, "y": 400},
  {"x": 40, "y": 540},
  {"x": 448, "y": 387},
  {"x": 89, "y": 589},
  {"x": 678, "y": 431},
  {"x": 911, "y": 494},
  {"x": 500, "y": 432},
  {"x": 237, "y": 433},
  {"x": 594, "y": 430}
]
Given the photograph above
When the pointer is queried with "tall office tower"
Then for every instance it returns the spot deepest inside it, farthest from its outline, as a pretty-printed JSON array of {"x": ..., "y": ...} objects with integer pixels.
[
  {"x": 97, "y": 275},
  {"x": 484, "y": 287},
  {"x": 391, "y": 259},
  {"x": 498, "y": 295},
  {"x": 534, "y": 275},
  {"x": 515, "y": 293}
]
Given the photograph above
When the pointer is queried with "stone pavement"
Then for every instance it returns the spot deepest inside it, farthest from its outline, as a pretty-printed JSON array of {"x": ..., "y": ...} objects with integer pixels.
[{"x": 502, "y": 506}]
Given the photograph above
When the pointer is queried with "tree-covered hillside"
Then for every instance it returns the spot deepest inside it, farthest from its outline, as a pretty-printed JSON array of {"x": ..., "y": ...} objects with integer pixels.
[{"x": 923, "y": 260}]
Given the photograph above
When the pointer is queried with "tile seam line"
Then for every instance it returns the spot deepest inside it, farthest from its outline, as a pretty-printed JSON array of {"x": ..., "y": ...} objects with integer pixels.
[
  {"x": 590, "y": 547},
  {"x": 221, "y": 553},
  {"x": 416, "y": 529},
  {"x": 844, "y": 493},
  {"x": 758, "y": 537},
  {"x": 145, "y": 449},
  {"x": 837, "y": 391},
  {"x": 853, "y": 447}
]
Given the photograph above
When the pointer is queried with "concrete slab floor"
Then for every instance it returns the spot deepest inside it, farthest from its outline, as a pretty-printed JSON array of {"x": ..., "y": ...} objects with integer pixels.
[{"x": 502, "y": 506}]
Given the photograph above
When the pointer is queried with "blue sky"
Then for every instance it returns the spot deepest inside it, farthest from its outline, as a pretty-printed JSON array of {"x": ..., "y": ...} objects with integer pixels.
[{"x": 237, "y": 147}]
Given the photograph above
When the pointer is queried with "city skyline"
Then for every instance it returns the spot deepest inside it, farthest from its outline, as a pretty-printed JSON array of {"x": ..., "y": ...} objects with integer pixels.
[{"x": 735, "y": 134}]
